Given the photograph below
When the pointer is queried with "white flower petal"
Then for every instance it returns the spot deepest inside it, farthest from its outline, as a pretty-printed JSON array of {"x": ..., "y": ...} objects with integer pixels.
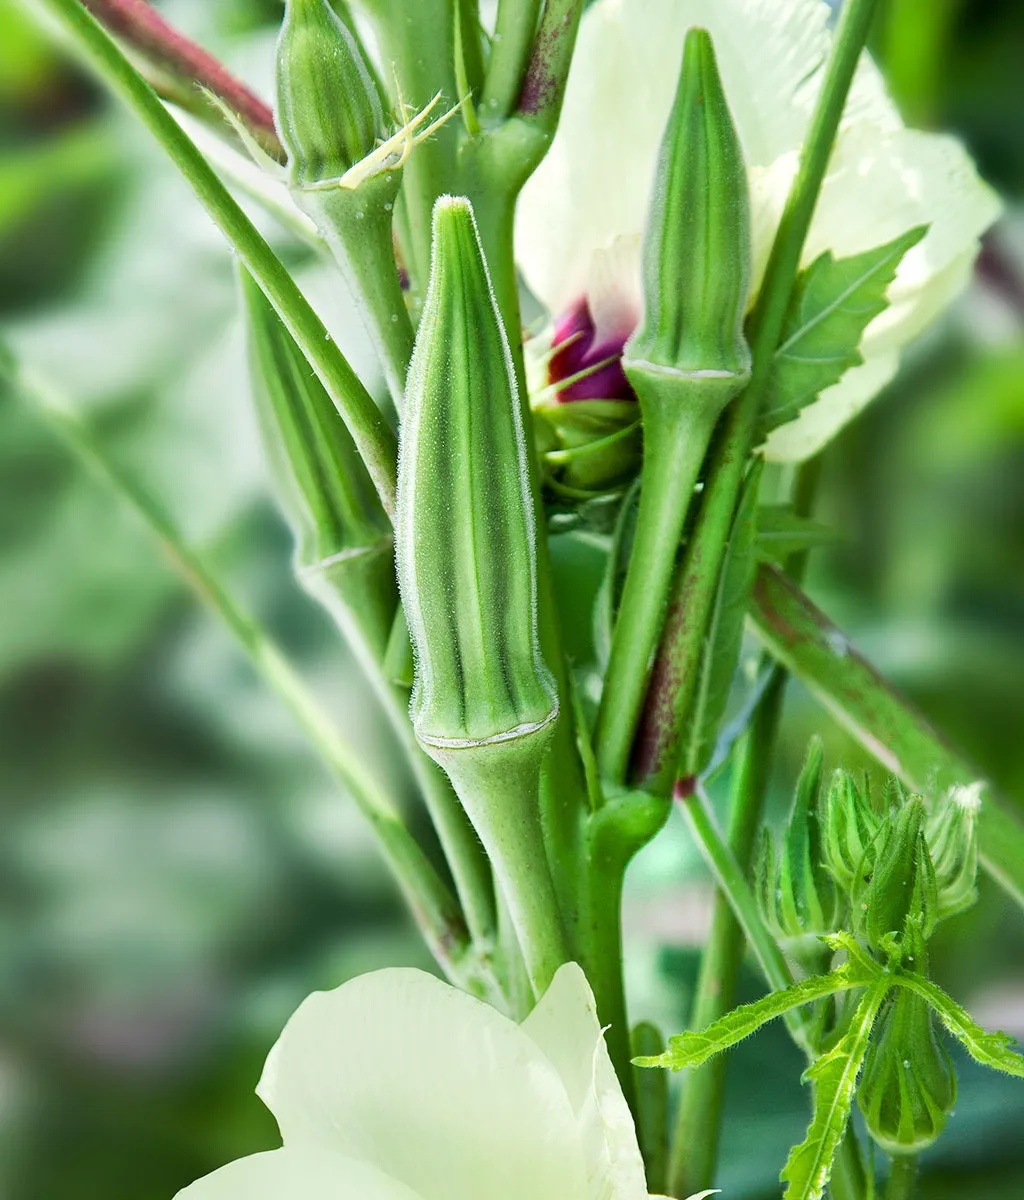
[
  {"x": 434, "y": 1088},
  {"x": 296, "y": 1175},
  {"x": 594, "y": 185},
  {"x": 565, "y": 1026},
  {"x": 818, "y": 424},
  {"x": 880, "y": 185}
]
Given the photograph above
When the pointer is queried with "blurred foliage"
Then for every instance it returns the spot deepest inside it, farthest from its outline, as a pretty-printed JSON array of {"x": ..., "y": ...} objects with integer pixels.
[{"x": 175, "y": 871}]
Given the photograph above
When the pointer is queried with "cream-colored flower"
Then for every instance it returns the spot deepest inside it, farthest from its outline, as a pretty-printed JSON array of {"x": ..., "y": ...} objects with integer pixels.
[
  {"x": 581, "y": 215},
  {"x": 396, "y": 1086}
]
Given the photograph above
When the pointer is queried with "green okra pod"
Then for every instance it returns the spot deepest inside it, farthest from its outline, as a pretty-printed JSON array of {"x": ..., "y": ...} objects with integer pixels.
[
  {"x": 345, "y": 166},
  {"x": 343, "y": 544},
  {"x": 686, "y": 361},
  {"x": 484, "y": 700}
]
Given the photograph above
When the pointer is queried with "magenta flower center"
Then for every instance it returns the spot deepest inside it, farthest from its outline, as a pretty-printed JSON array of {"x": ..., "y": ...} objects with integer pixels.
[{"x": 589, "y": 360}]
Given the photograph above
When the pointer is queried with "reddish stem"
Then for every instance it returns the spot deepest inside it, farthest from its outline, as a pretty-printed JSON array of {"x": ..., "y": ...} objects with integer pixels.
[{"x": 163, "y": 47}]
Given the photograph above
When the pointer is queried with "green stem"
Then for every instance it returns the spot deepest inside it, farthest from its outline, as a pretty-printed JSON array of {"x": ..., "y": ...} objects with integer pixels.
[
  {"x": 676, "y": 670},
  {"x": 357, "y": 226},
  {"x": 695, "y": 1143},
  {"x": 814, "y": 650},
  {"x": 417, "y": 42},
  {"x": 375, "y": 440},
  {"x": 902, "y": 1178},
  {"x": 675, "y": 443},
  {"x": 514, "y": 30},
  {"x": 848, "y": 1181},
  {"x": 436, "y": 912},
  {"x": 698, "y": 1128},
  {"x": 498, "y": 785},
  {"x": 731, "y": 880}
]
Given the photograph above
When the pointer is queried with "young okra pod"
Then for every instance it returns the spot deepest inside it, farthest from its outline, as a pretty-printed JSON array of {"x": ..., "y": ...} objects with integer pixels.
[
  {"x": 344, "y": 167},
  {"x": 484, "y": 701},
  {"x": 686, "y": 361},
  {"x": 343, "y": 544}
]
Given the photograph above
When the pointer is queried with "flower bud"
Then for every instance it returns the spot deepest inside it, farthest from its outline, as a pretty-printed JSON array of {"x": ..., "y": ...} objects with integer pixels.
[
  {"x": 690, "y": 347},
  {"x": 329, "y": 111},
  {"x": 850, "y": 830},
  {"x": 343, "y": 546},
  {"x": 908, "y": 1087},
  {"x": 952, "y": 836},
  {"x": 798, "y": 897},
  {"x": 901, "y": 885},
  {"x": 465, "y": 532}
]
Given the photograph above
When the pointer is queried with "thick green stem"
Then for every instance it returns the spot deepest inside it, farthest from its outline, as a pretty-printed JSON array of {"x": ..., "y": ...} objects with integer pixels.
[
  {"x": 698, "y": 1127},
  {"x": 819, "y": 654},
  {"x": 674, "y": 449},
  {"x": 695, "y": 1143},
  {"x": 357, "y": 226},
  {"x": 498, "y": 784},
  {"x": 514, "y": 30},
  {"x": 902, "y": 1178},
  {"x": 435, "y": 910},
  {"x": 372, "y": 436},
  {"x": 676, "y": 669}
]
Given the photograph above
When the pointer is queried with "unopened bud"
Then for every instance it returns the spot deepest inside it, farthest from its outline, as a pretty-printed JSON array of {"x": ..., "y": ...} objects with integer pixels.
[
  {"x": 952, "y": 835},
  {"x": 902, "y": 882},
  {"x": 908, "y": 1088},
  {"x": 329, "y": 112},
  {"x": 798, "y": 897},
  {"x": 696, "y": 256},
  {"x": 851, "y": 829}
]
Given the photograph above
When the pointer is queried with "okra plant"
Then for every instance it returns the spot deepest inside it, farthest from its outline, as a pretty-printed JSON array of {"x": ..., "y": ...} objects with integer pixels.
[{"x": 732, "y": 236}]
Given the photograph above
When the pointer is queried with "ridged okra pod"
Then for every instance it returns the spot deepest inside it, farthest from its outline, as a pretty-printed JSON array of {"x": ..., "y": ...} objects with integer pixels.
[
  {"x": 686, "y": 361},
  {"x": 344, "y": 172},
  {"x": 344, "y": 558},
  {"x": 484, "y": 701},
  {"x": 343, "y": 544}
]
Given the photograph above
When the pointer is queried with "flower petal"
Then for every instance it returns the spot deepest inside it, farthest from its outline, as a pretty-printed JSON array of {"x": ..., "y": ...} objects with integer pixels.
[
  {"x": 819, "y": 423},
  {"x": 298, "y": 1174},
  {"x": 565, "y": 1026},
  {"x": 429, "y": 1085},
  {"x": 880, "y": 185},
  {"x": 594, "y": 185}
]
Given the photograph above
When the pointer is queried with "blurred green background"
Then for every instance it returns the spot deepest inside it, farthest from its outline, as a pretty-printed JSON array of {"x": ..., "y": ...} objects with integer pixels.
[{"x": 176, "y": 872}]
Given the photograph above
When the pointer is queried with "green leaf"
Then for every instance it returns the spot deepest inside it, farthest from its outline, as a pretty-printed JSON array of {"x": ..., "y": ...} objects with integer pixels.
[
  {"x": 832, "y": 304},
  {"x": 781, "y": 532},
  {"x": 990, "y": 1049},
  {"x": 693, "y": 1049},
  {"x": 834, "y": 1077},
  {"x": 725, "y": 632}
]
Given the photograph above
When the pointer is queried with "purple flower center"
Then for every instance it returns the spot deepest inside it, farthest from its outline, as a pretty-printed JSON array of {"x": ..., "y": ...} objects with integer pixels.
[{"x": 592, "y": 362}]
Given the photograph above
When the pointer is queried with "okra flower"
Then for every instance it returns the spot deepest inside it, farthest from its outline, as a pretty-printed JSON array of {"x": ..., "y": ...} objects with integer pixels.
[
  {"x": 582, "y": 213},
  {"x": 396, "y": 1086}
]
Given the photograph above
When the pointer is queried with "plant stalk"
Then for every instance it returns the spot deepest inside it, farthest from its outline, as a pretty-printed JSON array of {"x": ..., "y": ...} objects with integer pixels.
[{"x": 902, "y": 1178}]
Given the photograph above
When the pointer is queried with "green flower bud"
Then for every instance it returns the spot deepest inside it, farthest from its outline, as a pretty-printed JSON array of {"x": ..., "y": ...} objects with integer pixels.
[
  {"x": 952, "y": 835},
  {"x": 465, "y": 528},
  {"x": 343, "y": 545},
  {"x": 908, "y": 1087},
  {"x": 690, "y": 348},
  {"x": 329, "y": 111},
  {"x": 851, "y": 829},
  {"x": 798, "y": 897},
  {"x": 901, "y": 885}
]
